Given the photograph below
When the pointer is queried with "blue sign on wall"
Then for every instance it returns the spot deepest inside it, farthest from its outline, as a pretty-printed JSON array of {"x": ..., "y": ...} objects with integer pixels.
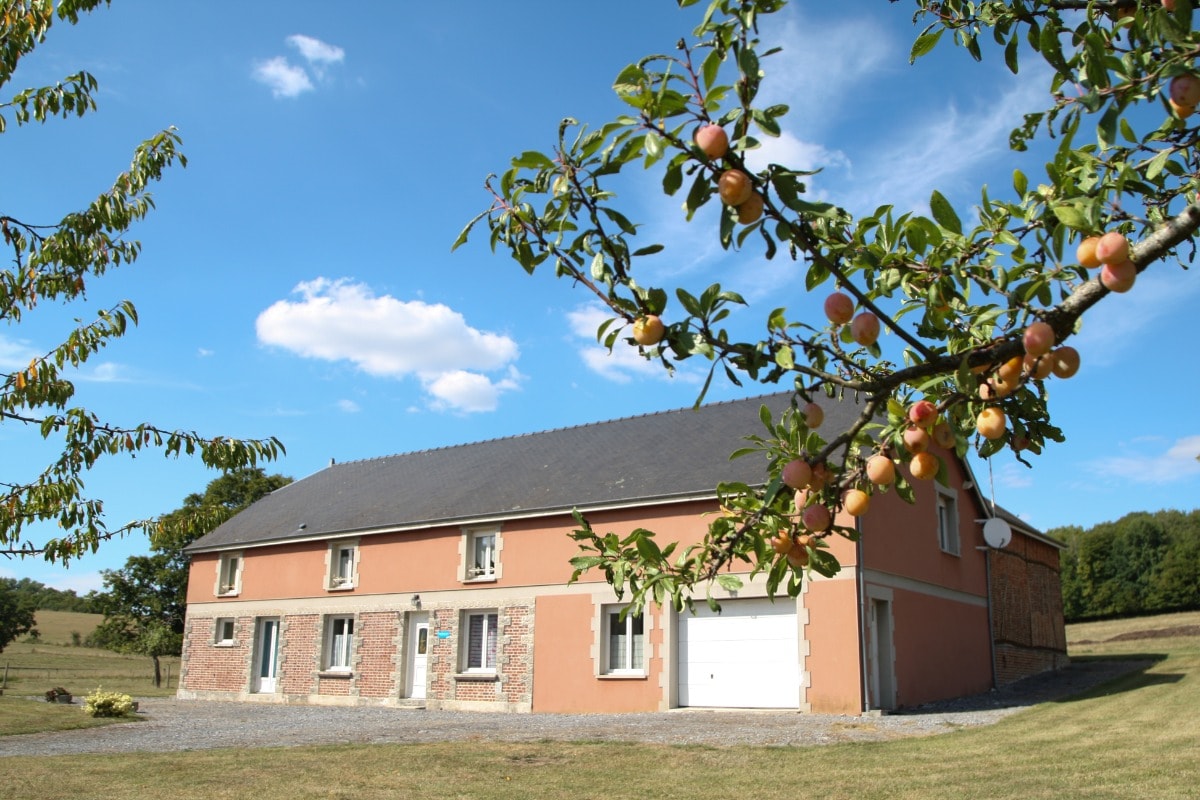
[{"x": 443, "y": 634}]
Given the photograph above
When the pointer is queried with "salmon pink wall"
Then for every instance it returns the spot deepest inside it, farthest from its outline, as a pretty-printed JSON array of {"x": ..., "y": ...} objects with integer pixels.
[
  {"x": 533, "y": 552},
  {"x": 942, "y": 648},
  {"x": 902, "y": 539},
  {"x": 564, "y": 673},
  {"x": 834, "y": 662}
]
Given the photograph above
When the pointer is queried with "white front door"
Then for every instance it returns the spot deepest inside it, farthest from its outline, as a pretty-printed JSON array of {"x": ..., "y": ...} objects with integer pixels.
[
  {"x": 266, "y": 663},
  {"x": 418, "y": 657}
]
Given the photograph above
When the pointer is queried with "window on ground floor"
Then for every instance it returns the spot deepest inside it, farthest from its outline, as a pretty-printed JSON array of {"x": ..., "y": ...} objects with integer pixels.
[
  {"x": 480, "y": 642},
  {"x": 625, "y": 641},
  {"x": 339, "y": 643},
  {"x": 225, "y": 632}
]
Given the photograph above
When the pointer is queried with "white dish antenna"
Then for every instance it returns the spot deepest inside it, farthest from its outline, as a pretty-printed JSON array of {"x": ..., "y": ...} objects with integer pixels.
[{"x": 997, "y": 533}]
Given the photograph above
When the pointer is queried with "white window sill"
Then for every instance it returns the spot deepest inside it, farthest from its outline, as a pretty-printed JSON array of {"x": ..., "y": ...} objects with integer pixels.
[
  {"x": 341, "y": 587},
  {"x": 481, "y": 677},
  {"x": 623, "y": 676},
  {"x": 481, "y": 579},
  {"x": 229, "y": 594},
  {"x": 225, "y": 644},
  {"x": 335, "y": 673}
]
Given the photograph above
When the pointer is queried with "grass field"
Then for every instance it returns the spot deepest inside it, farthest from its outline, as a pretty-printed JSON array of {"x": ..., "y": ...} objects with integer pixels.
[
  {"x": 33, "y": 668},
  {"x": 1135, "y": 738}
]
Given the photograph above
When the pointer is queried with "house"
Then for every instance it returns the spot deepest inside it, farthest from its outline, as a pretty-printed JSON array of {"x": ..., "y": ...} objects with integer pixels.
[{"x": 439, "y": 579}]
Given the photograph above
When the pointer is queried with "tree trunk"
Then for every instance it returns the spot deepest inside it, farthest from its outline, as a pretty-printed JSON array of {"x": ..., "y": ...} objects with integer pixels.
[{"x": 157, "y": 673}]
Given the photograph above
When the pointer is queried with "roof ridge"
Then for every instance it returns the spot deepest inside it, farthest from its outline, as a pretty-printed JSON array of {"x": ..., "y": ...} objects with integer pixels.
[{"x": 580, "y": 426}]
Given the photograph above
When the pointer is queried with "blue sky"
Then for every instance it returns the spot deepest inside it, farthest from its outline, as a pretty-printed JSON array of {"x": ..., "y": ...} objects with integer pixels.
[{"x": 297, "y": 280}]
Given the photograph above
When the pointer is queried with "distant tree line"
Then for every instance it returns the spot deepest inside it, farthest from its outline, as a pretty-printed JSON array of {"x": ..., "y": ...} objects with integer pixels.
[
  {"x": 46, "y": 598},
  {"x": 1144, "y": 563}
]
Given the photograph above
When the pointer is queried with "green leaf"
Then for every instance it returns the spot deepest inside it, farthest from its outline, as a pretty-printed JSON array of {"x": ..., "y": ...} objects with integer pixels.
[
  {"x": 730, "y": 583},
  {"x": 1072, "y": 217},
  {"x": 1020, "y": 182},
  {"x": 943, "y": 212},
  {"x": 531, "y": 159},
  {"x": 1156, "y": 164},
  {"x": 924, "y": 44}
]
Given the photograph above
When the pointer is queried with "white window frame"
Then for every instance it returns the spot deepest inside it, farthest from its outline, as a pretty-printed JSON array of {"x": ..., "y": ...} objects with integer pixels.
[
  {"x": 490, "y": 627},
  {"x": 219, "y": 637},
  {"x": 634, "y": 661},
  {"x": 339, "y": 647},
  {"x": 229, "y": 585},
  {"x": 471, "y": 541},
  {"x": 946, "y": 509},
  {"x": 335, "y": 580}
]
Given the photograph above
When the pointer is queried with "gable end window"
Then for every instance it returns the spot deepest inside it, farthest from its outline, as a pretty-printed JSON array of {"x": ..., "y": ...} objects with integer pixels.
[
  {"x": 947, "y": 522},
  {"x": 342, "y": 573},
  {"x": 229, "y": 575}
]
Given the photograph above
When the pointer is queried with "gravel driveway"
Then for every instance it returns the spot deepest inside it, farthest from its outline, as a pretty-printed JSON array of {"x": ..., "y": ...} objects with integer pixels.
[{"x": 170, "y": 724}]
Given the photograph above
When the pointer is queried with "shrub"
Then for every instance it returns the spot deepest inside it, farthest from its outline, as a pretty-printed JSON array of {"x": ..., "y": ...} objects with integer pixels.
[{"x": 107, "y": 704}]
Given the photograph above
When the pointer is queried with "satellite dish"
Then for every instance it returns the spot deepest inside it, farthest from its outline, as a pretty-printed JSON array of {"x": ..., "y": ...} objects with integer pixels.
[{"x": 997, "y": 533}]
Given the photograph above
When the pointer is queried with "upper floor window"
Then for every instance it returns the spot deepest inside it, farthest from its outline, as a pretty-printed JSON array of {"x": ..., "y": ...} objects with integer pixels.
[
  {"x": 947, "y": 521},
  {"x": 343, "y": 565},
  {"x": 229, "y": 574},
  {"x": 481, "y": 560}
]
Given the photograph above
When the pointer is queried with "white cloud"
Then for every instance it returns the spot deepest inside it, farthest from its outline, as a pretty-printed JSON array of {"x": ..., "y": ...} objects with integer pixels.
[
  {"x": 625, "y": 362},
  {"x": 315, "y": 51},
  {"x": 283, "y": 79},
  {"x": 1177, "y": 462},
  {"x": 204, "y": 352},
  {"x": 821, "y": 62},
  {"x": 940, "y": 152},
  {"x": 15, "y": 353},
  {"x": 387, "y": 337},
  {"x": 108, "y": 372},
  {"x": 469, "y": 392},
  {"x": 288, "y": 80},
  {"x": 348, "y": 406}
]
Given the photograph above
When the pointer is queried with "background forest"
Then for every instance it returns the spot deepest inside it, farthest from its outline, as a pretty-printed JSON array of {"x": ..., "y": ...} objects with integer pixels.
[{"x": 1143, "y": 563}]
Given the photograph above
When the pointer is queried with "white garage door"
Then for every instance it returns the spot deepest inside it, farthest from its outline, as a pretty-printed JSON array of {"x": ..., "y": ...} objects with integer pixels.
[{"x": 747, "y": 656}]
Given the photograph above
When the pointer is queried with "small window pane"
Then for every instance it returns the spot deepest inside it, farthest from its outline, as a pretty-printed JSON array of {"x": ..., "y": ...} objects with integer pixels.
[
  {"x": 481, "y": 641},
  {"x": 626, "y": 642}
]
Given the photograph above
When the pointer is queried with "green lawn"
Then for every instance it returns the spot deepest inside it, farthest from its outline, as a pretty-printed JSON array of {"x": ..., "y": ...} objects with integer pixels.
[
  {"x": 20, "y": 715},
  {"x": 1135, "y": 738}
]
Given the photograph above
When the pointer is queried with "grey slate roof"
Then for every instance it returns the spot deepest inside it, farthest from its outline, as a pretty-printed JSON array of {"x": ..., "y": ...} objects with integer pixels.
[{"x": 672, "y": 454}]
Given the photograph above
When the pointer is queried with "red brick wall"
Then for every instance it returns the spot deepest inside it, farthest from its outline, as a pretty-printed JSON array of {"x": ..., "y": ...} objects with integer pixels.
[
  {"x": 300, "y": 654},
  {"x": 377, "y": 638},
  {"x": 212, "y": 668},
  {"x": 1027, "y": 614}
]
